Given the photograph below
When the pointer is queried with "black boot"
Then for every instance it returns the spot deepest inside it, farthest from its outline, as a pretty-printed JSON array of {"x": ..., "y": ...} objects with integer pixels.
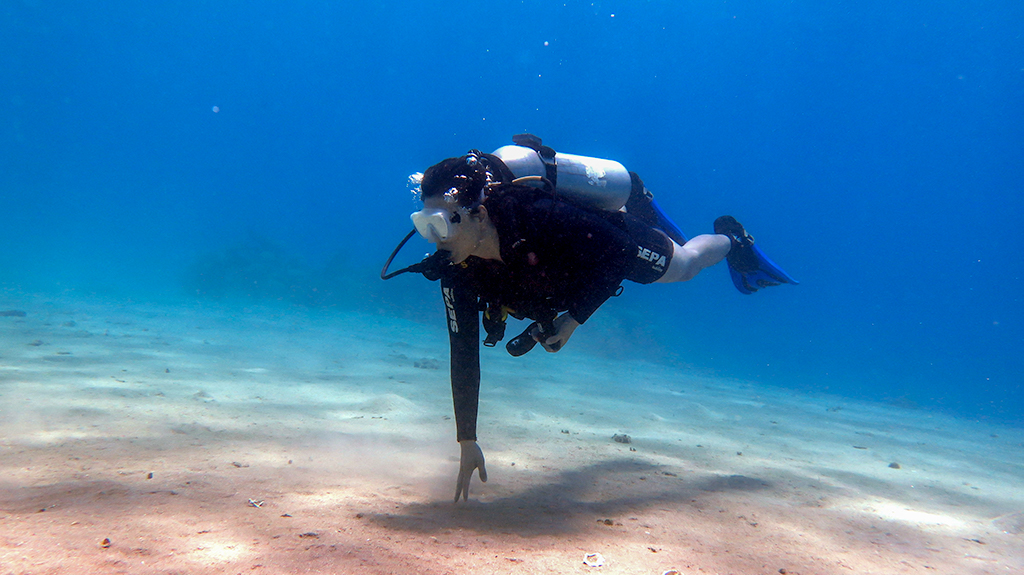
[{"x": 741, "y": 255}]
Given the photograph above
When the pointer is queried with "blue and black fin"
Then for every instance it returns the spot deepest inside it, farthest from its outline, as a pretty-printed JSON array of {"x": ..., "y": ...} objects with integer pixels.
[
  {"x": 642, "y": 205},
  {"x": 750, "y": 269}
]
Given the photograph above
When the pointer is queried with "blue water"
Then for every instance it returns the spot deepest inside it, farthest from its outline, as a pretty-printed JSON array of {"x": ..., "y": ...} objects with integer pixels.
[{"x": 260, "y": 150}]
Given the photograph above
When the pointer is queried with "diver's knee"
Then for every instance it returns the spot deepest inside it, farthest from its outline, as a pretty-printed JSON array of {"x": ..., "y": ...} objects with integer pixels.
[{"x": 683, "y": 266}]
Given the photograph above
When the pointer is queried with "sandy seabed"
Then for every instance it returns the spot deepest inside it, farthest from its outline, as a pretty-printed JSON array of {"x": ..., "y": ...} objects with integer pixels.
[{"x": 195, "y": 439}]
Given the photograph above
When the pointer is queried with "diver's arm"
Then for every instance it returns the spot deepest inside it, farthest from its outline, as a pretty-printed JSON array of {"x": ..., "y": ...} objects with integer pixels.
[
  {"x": 464, "y": 336},
  {"x": 563, "y": 326}
]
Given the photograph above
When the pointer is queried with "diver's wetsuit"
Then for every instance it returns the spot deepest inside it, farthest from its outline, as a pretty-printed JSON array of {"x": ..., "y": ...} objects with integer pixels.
[{"x": 555, "y": 257}]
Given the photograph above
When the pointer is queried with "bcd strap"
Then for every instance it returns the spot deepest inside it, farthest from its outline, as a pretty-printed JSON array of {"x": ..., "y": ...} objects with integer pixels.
[{"x": 547, "y": 155}]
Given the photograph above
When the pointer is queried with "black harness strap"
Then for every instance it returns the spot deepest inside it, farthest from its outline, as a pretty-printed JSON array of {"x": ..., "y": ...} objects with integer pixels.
[{"x": 547, "y": 155}]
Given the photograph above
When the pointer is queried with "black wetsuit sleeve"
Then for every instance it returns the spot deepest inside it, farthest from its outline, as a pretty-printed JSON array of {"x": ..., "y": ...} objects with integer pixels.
[{"x": 462, "y": 310}]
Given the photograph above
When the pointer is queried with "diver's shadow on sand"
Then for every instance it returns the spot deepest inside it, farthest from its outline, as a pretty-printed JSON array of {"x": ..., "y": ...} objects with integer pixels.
[{"x": 574, "y": 500}]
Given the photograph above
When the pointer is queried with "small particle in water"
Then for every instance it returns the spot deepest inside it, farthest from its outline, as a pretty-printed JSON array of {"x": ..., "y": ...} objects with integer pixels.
[
  {"x": 216, "y": 109},
  {"x": 546, "y": 44}
]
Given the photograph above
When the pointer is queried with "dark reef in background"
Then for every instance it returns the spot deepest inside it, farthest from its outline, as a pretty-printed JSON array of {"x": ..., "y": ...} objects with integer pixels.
[{"x": 259, "y": 269}]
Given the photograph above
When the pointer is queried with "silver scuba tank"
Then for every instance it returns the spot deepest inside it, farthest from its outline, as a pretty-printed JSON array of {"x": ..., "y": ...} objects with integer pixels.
[{"x": 590, "y": 182}]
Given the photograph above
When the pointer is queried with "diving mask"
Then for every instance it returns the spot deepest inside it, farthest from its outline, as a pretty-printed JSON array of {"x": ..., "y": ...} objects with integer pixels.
[{"x": 435, "y": 225}]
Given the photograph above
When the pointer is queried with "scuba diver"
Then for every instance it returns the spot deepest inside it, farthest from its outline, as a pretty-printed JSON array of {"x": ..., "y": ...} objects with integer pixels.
[{"x": 534, "y": 234}]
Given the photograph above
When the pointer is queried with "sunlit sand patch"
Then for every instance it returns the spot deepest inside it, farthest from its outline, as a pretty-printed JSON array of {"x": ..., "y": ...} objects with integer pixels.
[
  {"x": 60, "y": 436},
  {"x": 748, "y": 402},
  {"x": 324, "y": 499},
  {"x": 21, "y": 369},
  {"x": 894, "y": 511},
  {"x": 220, "y": 551}
]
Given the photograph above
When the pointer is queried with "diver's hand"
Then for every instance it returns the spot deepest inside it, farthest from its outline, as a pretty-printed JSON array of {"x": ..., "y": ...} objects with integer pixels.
[
  {"x": 472, "y": 458},
  {"x": 564, "y": 325}
]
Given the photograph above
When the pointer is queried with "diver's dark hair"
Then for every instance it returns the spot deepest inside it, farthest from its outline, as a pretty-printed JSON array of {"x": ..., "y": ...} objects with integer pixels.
[{"x": 463, "y": 177}]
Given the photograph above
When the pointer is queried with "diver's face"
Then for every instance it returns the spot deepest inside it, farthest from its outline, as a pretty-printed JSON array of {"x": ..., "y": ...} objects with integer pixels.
[{"x": 460, "y": 234}]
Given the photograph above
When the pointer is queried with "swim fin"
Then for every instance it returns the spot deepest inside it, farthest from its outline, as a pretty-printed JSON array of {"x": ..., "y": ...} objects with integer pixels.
[
  {"x": 642, "y": 205},
  {"x": 750, "y": 269}
]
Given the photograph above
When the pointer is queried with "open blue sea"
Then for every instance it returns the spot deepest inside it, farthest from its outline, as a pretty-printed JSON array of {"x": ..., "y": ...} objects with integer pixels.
[{"x": 259, "y": 151}]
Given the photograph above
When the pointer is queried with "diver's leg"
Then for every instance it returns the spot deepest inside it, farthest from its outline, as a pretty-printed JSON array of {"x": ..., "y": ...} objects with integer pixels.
[{"x": 698, "y": 253}]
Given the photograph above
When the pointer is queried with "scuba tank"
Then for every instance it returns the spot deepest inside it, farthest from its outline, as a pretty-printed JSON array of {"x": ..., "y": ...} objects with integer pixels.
[{"x": 592, "y": 183}]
